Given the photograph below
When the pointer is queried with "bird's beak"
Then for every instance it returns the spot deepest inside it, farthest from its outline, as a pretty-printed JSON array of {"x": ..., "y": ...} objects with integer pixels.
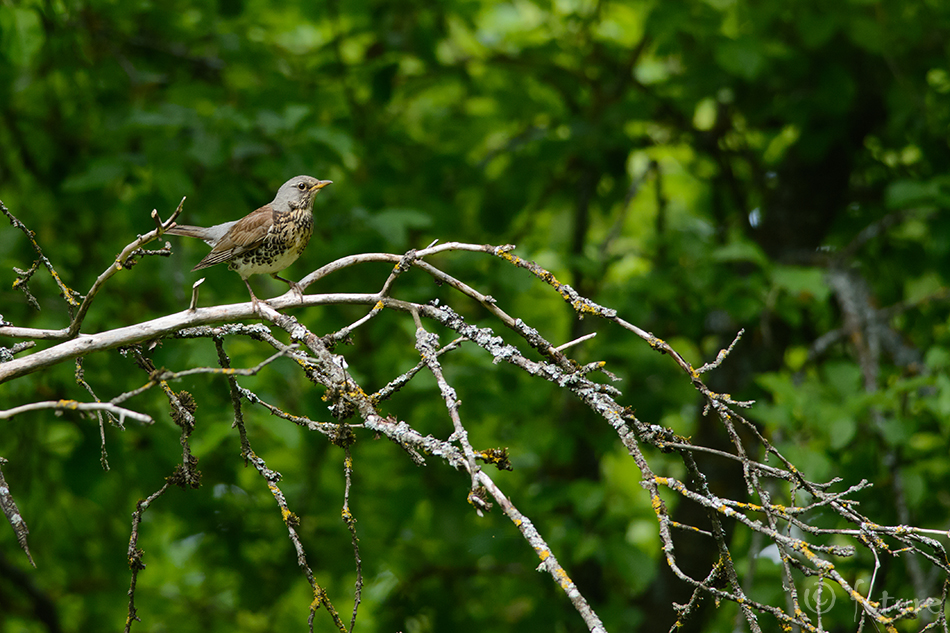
[{"x": 321, "y": 184}]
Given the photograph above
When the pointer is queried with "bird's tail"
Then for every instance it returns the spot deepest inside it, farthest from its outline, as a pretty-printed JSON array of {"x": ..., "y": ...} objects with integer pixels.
[{"x": 210, "y": 235}]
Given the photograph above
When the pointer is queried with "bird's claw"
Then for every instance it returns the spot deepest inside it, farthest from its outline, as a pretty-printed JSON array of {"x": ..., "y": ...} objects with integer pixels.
[{"x": 297, "y": 290}]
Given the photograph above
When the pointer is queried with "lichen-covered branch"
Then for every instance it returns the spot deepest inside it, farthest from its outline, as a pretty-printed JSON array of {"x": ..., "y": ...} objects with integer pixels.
[
  {"x": 8, "y": 505},
  {"x": 806, "y": 548}
]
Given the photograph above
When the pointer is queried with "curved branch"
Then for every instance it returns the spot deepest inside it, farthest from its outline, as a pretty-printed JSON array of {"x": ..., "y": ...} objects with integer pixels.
[{"x": 72, "y": 405}]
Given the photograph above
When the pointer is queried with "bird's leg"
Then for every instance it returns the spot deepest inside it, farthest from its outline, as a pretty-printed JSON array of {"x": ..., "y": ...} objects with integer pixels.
[
  {"x": 254, "y": 299},
  {"x": 293, "y": 286}
]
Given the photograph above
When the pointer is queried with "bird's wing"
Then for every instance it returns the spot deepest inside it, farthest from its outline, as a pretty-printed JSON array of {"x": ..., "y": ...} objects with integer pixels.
[{"x": 246, "y": 234}]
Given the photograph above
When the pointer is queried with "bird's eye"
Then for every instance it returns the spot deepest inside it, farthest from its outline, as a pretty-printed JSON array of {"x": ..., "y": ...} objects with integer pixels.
[{"x": 301, "y": 186}]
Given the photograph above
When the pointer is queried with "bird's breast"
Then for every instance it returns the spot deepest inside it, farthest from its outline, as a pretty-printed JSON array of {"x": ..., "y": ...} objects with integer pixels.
[{"x": 285, "y": 241}]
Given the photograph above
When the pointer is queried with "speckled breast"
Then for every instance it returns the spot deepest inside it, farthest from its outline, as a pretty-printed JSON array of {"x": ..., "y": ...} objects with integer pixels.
[{"x": 285, "y": 241}]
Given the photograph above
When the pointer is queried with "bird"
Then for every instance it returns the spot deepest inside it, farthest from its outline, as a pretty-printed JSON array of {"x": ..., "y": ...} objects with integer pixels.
[{"x": 265, "y": 241}]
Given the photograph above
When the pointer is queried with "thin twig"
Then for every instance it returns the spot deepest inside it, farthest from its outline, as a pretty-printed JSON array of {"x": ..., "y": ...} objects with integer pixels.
[
  {"x": 72, "y": 405},
  {"x": 14, "y": 518},
  {"x": 135, "y": 554}
]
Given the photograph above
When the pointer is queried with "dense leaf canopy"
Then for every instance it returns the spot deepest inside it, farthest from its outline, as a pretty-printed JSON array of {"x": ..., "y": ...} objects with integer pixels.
[{"x": 700, "y": 166}]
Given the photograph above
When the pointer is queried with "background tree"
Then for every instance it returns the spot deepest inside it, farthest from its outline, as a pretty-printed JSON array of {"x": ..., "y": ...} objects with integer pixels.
[{"x": 700, "y": 167}]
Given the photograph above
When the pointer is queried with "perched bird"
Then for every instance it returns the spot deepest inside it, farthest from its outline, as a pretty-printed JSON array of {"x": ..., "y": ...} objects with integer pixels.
[{"x": 265, "y": 241}]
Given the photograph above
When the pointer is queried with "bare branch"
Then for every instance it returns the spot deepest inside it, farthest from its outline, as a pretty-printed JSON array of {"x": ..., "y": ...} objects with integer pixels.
[
  {"x": 723, "y": 354},
  {"x": 426, "y": 343},
  {"x": 68, "y": 294},
  {"x": 123, "y": 260},
  {"x": 787, "y": 525},
  {"x": 576, "y": 341},
  {"x": 72, "y": 405},
  {"x": 8, "y": 505},
  {"x": 548, "y": 561},
  {"x": 135, "y": 554}
]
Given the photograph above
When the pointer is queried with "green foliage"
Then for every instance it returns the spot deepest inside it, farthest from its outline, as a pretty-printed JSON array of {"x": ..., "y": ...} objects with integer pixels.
[{"x": 700, "y": 166}]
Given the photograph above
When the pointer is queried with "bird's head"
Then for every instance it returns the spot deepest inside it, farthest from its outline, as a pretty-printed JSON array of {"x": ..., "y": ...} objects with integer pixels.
[{"x": 298, "y": 192}]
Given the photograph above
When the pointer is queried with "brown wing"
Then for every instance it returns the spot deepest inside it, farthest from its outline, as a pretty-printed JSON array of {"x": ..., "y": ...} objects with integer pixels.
[{"x": 246, "y": 234}]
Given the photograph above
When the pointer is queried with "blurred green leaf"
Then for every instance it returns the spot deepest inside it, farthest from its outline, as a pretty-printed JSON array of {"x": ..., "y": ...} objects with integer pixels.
[
  {"x": 21, "y": 35},
  {"x": 394, "y": 225},
  {"x": 901, "y": 194},
  {"x": 743, "y": 57},
  {"x": 740, "y": 251},
  {"x": 801, "y": 283},
  {"x": 100, "y": 173}
]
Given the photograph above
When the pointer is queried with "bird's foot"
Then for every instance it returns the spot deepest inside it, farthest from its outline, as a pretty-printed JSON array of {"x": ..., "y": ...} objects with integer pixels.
[
  {"x": 294, "y": 286},
  {"x": 255, "y": 301},
  {"x": 297, "y": 290}
]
